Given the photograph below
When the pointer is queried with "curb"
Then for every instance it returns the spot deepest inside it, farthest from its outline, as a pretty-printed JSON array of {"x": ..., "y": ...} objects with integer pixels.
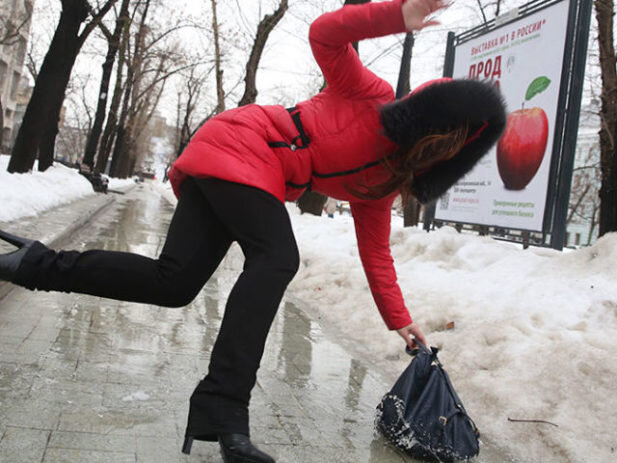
[{"x": 52, "y": 227}]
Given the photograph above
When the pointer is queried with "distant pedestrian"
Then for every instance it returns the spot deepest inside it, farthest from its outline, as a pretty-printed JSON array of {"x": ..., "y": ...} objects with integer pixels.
[
  {"x": 330, "y": 207},
  {"x": 351, "y": 142},
  {"x": 166, "y": 174}
]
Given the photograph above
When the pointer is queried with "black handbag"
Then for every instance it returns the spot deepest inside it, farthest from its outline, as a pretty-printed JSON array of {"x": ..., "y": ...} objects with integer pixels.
[{"x": 424, "y": 416}]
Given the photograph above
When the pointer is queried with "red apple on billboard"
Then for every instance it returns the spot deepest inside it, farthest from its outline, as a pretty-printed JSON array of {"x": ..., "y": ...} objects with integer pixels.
[{"x": 522, "y": 146}]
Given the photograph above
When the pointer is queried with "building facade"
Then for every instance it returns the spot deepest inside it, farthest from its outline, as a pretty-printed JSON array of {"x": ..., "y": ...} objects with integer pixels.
[
  {"x": 582, "y": 228},
  {"x": 15, "y": 19}
]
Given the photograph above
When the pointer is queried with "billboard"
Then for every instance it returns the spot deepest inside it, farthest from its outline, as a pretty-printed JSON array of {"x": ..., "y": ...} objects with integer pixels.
[{"x": 509, "y": 187}]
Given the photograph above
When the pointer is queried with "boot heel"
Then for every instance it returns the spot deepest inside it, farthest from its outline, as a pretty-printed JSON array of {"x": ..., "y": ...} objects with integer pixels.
[
  {"x": 188, "y": 442},
  {"x": 14, "y": 240}
]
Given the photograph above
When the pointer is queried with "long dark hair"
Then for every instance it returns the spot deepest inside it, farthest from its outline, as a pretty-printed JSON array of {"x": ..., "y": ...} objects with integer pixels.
[{"x": 405, "y": 164}]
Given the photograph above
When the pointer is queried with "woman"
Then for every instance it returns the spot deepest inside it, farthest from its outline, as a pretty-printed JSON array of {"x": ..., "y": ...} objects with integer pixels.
[{"x": 350, "y": 142}]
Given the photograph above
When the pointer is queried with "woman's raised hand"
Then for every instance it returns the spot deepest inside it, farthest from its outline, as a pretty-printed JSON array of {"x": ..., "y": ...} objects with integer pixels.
[{"x": 416, "y": 13}]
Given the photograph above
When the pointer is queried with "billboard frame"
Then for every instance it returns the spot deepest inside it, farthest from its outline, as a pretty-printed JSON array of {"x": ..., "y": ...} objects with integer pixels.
[{"x": 553, "y": 232}]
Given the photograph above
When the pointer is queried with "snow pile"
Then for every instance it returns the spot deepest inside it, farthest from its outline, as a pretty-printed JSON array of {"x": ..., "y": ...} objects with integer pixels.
[
  {"x": 535, "y": 333},
  {"x": 26, "y": 195}
]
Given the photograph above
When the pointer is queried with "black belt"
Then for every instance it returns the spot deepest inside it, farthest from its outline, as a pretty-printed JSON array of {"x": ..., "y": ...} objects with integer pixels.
[{"x": 302, "y": 136}]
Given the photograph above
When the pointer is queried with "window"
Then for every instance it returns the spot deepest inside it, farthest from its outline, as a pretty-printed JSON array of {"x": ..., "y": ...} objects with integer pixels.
[
  {"x": 21, "y": 51},
  {"x": 3, "y": 67},
  {"x": 15, "y": 84}
]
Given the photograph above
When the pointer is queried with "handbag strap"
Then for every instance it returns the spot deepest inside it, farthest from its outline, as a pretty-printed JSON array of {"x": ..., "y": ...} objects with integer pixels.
[
  {"x": 458, "y": 405},
  {"x": 433, "y": 351}
]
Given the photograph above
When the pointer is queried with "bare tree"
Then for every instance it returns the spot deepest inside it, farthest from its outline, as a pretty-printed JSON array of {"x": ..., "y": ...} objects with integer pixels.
[
  {"x": 73, "y": 133},
  {"x": 186, "y": 109},
  {"x": 113, "y": 44},
  {"x": 39, "y": 127},
  {"x": 266, "y": 25},
  {"x": 608, "y": 117},
  {"x": 484, "y": 6},
  {"x": 135, "y": 65},
  {"x": 150, "y": 62},
  {"x": 411, "y": 207},
  {"x": 220, "y": 92},
  {"x": 109, "y": 133},
  {"x": 192, "y": 86}
]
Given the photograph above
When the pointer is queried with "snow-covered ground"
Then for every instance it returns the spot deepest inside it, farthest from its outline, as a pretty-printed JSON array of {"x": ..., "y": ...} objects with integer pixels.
[
  {"x": 535, "y": 331},
  {"x": 24, "y": 195}
]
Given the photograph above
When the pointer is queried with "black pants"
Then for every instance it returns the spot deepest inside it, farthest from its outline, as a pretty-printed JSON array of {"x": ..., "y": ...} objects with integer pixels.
[{"x": 210, "y": 215}]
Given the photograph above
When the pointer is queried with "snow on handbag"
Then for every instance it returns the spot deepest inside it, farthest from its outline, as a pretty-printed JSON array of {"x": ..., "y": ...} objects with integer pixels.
[{"x": 424, "y": 416}]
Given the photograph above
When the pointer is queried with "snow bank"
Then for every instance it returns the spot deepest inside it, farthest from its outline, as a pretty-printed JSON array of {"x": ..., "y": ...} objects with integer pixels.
[
  {"x": 535, "y": 332},
  {"x": 26, "y": 195}
]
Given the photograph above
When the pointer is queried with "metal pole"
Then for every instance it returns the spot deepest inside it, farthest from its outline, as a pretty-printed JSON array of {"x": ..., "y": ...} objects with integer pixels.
[{"x": 578, "y": 57}]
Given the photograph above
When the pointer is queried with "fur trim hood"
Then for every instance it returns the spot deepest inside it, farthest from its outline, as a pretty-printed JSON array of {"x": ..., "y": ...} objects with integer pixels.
[{"x": 439, "y": 107}]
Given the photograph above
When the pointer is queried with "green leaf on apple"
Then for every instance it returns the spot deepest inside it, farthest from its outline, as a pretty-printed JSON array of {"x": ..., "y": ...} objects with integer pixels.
[{"x": 538, "y": 85}]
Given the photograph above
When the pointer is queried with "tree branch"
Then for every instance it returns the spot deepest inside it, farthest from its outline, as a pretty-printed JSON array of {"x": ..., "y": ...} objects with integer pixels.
[
  {"x": 106, "y": 32},
  {"x": 96, "y": 19},
  {"x": 532, "y": 421},
  {"x": 266, "y": 25}
]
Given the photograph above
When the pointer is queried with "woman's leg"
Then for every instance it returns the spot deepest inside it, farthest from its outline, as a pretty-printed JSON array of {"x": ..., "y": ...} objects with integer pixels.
[
  {"x": 196, "y": 242},
  {"x": 260, "y": 223}
]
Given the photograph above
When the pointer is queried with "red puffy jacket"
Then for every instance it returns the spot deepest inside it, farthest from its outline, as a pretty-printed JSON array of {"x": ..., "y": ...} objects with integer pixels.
[{"x": 261, "y": 146}]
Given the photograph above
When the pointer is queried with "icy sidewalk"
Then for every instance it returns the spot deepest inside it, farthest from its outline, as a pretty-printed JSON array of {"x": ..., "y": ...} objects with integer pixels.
[{"x": 90, "y": 379}]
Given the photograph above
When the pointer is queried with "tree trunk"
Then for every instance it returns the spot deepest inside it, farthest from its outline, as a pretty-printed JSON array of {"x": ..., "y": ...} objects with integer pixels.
[
  {"x": 43, "y": 109},
  {"x": 312, "y": 202},
  {"x": 121, "y": 152},
  {"x": 110, "y": 58},
  {"x": 119, "y": 166},
  {"x": 118, "y": 151},
  {"x": 592, "y": 226},
  {"x": 608, "y": 116},
  {"x": 411, "y": 211},
  {"x": 47, "y": 145},
  {"x": 220, "y": 93},
  {"x": 121, "y": 156},
  {"x": 266, "y": 25},
  {"x": 110, "y": 132}
]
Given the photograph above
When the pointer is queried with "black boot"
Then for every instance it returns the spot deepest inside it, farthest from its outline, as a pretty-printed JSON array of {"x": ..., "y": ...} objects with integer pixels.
[
  {"x": 235, "y": 448},
  {"x": 10, "y": 262},
  {"x": 238, "y": 448}
]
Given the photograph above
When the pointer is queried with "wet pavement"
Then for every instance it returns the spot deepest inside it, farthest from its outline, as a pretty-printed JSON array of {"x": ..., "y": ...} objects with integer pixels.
[{"x": 85, "y": 379}]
